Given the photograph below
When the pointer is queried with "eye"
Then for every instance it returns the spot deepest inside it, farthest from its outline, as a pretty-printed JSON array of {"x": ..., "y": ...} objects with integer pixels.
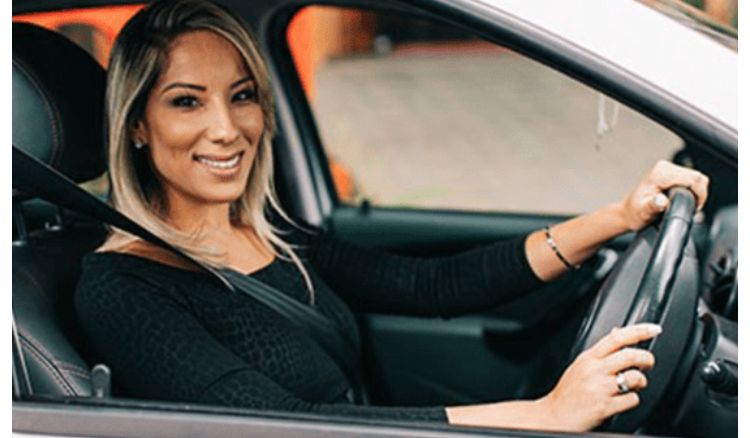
[
  {"x": 185, "y": 101},
  {"x": 246, "y": 95}
]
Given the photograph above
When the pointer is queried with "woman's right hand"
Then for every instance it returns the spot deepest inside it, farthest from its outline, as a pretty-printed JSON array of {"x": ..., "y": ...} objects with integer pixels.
[{"x": 588, "y": 392}]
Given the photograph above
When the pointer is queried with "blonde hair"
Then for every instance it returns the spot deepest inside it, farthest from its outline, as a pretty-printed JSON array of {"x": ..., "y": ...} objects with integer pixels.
[{"x": 138, "y": 58}]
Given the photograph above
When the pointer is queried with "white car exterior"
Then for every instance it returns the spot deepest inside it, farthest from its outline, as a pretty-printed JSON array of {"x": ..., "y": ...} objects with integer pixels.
[{"x": 652, "y": 46}]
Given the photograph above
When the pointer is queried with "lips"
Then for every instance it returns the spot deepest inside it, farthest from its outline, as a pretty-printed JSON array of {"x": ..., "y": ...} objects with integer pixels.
[{"x": 226, "y": 162}]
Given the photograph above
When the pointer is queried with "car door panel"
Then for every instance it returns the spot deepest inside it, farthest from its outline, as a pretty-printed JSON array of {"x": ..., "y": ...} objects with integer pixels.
[
  {"x": 430, "y": 232},
  {"x": 503, "y": 353},
  {"x": 434, "y": 360}
]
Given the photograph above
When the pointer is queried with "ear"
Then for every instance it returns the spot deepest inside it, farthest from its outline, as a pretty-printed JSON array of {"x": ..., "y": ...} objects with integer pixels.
[{"x": 138, "y": 134}]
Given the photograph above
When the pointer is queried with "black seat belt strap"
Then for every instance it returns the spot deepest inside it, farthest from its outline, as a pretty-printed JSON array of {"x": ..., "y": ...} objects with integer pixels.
[{"x": 39, "y": 179}]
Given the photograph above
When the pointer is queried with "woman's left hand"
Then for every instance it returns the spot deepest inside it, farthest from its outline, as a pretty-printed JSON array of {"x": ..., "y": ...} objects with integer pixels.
[{"x": 648, "y": 200}]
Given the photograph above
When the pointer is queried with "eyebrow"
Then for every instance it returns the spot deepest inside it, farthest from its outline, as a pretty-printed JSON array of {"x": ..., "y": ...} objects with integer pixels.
[
  {"x": 242, "y": 81},
  {"x": 201, "y": 87},
  {"x": 183, "y": 85}
]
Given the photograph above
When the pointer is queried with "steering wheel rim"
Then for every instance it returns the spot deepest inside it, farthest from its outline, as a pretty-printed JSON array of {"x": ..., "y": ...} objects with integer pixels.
[
  {"x": 655, "y": 288},
  {"x": 654, "y": 258}
]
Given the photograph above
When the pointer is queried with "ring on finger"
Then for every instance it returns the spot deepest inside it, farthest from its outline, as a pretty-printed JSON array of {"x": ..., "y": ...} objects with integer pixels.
[{"x": 622, "y": 384}]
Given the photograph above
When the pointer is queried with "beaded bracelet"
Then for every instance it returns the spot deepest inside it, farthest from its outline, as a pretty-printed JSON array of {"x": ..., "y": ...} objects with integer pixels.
[{"x": 553, "y": 245}]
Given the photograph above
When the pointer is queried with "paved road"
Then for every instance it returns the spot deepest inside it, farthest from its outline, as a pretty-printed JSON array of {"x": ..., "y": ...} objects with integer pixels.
[{"x": 489, "y": 131}]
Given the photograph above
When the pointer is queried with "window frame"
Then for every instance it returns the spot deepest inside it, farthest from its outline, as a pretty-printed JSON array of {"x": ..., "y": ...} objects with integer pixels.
[{"x": 696, "y": 130}]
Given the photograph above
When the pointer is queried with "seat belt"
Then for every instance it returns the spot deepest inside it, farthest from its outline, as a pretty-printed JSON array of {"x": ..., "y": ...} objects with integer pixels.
[{"x": 39, "y": 179}]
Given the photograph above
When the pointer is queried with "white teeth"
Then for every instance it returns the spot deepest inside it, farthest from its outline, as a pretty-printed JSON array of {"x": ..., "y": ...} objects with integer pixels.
[{"x": 226, "y": 164}]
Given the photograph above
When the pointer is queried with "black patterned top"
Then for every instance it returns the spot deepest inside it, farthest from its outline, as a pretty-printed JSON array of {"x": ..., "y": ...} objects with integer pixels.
[{"x": 173, "y": 334}]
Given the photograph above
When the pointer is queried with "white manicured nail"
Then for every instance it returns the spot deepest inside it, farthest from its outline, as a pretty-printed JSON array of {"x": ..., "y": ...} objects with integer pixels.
[
  {"x": 660, "y": 201},
  {"x": 654, "y": 329}
]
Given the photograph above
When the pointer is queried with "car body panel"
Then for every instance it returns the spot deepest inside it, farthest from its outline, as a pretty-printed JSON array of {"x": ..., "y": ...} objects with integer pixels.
[
  {"x": 656, "y": 50},
  {"x": 30, "y": 419}
]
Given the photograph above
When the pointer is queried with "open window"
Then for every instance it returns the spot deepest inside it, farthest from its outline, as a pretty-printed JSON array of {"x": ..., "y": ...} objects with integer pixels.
[{"x": 418, "y": 113}]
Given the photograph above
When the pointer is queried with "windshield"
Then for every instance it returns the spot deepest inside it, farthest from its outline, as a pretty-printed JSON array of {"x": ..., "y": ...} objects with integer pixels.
[{"x": 696, "y": 19}]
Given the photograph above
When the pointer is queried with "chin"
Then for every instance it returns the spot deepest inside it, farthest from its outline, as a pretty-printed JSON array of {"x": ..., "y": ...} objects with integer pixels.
[
  {"x": 224, "y": 199},
  {"x": 223, "y": 195}
]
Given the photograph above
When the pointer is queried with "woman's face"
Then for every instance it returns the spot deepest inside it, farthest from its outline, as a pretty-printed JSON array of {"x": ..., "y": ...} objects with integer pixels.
[{"x": 202, "y": 121}]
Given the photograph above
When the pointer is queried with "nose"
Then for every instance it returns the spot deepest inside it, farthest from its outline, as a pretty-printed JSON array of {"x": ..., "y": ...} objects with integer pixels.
[{"x": 222, "y": 127}]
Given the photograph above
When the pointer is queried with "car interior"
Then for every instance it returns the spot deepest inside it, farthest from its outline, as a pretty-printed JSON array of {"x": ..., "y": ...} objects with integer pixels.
[
  {"x": 58, "y": 93},
  {"x": 49, "y": 242}
]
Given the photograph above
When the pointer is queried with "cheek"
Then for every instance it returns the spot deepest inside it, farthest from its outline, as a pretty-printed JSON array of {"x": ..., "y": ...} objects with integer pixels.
[
  {"x": 172, "y": 144},
  {"x": 178, "y": 136},
  {"x": 251, "y": 124},
  {"x": 171, "y": 155}
]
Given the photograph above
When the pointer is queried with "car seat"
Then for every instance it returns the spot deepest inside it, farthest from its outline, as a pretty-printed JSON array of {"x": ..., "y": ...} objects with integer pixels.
[{"x": 58, "y": 106}]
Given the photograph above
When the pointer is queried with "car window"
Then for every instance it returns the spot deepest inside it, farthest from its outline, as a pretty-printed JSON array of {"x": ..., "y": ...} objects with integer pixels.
[
  {"x": 414, "y": 113},
  {"x": 93, "y": 29}
]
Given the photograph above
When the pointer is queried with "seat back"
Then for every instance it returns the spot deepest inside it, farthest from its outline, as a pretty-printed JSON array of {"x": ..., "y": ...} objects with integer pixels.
[
  {"x": 58, "y": 95},
  {"x": 45, "y": 272}
]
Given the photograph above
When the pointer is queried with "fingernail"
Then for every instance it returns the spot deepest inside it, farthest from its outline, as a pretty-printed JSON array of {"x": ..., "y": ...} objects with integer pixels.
[
  {"x": 660, "y": 201},
  {"x": 654, "y": 329}
]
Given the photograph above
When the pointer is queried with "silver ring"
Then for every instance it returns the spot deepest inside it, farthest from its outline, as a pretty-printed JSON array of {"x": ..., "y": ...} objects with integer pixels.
[{"x": 622, "y": 385}]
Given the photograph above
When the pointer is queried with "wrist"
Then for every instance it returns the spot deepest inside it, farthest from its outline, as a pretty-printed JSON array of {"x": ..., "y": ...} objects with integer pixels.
[
  {"x": 546, "y": 413},
  {"x": 617, "y": 213}
]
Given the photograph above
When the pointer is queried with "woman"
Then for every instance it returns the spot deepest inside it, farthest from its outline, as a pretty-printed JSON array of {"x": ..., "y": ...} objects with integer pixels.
[{"x": 190, "y": 127}]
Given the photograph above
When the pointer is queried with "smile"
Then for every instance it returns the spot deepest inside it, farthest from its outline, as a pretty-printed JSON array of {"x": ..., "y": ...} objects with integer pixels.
[{"x": 220, "y": 163}]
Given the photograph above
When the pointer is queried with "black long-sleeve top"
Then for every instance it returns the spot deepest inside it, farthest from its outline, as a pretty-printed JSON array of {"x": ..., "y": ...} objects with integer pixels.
[{"x": 173, "y": 334}]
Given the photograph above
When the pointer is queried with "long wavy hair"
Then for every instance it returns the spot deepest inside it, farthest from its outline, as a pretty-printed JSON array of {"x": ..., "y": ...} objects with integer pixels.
[{"x": 138, "y": 58}]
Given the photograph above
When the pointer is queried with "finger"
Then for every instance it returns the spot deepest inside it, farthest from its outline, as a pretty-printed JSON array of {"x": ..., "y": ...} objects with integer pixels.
[
  {"x": 634, "y": 380},
  {"x": 629, "y": 358},
  {"x": 666, "y": 175},
  {"x": 622, "y": 337},
  {"x": 700, "y": 189},
  {"x": 622, "y": 403}
]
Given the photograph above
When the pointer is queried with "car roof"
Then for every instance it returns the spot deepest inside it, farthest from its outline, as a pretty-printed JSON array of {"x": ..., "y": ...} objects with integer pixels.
[{"x": 652, "y": 46}]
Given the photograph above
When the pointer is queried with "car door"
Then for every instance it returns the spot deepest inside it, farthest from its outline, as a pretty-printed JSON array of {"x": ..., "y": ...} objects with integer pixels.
[{"x": 421, "y": 137}]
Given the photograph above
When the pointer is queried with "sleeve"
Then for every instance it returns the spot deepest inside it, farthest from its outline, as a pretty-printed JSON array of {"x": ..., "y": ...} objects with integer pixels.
[
  {"x": 372, "y": 280},
  {"x": 153, "y": 342}
]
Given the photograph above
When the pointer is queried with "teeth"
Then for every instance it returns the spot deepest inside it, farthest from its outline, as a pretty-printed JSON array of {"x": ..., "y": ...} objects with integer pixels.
[{"x": 226, "y": 164}]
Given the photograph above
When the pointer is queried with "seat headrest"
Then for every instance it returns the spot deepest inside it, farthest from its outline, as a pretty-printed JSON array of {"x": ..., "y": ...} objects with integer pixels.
[{"x": 58, "y": 102}]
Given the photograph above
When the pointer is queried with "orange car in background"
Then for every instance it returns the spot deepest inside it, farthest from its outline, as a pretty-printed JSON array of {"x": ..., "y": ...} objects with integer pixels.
[{"x": 95, "y": 29}]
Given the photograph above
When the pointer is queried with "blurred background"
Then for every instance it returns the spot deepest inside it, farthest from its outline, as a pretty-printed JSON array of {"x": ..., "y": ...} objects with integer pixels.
[{"x": 420, "y": 114}]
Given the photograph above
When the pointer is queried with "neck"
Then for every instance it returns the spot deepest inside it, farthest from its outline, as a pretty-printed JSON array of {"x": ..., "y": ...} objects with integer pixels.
[{"x": 191, "y": 216}]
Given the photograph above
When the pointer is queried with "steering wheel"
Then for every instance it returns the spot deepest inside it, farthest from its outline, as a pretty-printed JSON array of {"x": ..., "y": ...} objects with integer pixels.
[{"x": 656, "y": 280}]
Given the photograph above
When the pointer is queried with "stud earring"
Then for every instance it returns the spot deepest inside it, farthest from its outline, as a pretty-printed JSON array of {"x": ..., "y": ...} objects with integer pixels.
[{"x": 139, "y": 145}]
